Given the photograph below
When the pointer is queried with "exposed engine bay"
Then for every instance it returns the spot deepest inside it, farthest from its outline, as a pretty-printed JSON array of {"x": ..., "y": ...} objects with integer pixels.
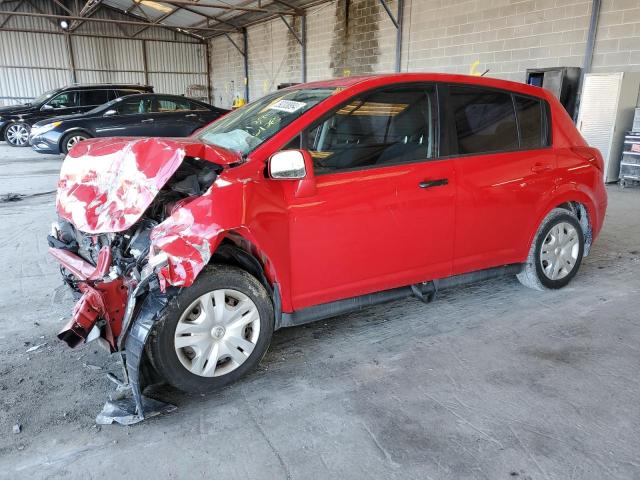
[{"x": 128, "y": 251}]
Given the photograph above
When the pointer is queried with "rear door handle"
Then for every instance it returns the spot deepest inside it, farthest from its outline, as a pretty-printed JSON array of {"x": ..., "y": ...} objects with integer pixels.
[
  {"x": 147, "y": 120},
  {"x": 434, "y": 183},
  {"x": 541, "y": 167}
]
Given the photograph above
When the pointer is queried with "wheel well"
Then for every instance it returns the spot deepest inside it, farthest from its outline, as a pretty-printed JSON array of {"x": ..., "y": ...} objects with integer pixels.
[
  {"x": 237, "y": 252},
  {"x": 580, "y": 211}
]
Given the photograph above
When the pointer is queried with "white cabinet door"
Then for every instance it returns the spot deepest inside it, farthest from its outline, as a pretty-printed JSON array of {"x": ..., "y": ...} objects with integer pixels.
[{"x": 598, "y": 111}]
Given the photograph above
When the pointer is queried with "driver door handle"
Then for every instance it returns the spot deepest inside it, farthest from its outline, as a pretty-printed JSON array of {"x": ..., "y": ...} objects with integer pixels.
[
  {"x": 540, "y": 167},
  {"x": 147, "y": 120},
  {"x": 191, "y": 115},
  {"x": 433, "y": 183}
]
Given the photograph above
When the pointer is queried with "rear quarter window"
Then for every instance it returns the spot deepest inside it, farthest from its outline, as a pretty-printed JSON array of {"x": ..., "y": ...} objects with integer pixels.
[
  {"x": 485, "y": 120},
  {"x": 532, "y": 121}
]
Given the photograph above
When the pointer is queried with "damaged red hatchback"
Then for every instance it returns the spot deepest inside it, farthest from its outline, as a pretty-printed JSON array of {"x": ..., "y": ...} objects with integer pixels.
[{"x": 313, "y": 201}]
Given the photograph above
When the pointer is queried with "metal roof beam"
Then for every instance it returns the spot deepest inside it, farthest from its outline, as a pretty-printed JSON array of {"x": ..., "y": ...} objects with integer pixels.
[
  {"x": 208, "y": 17},
  {"x": 224, "y": 6},
  {"x": 39, "y": 13},
  {"x": 299, "y": 11},
  {"x": 16, "y": 7},
  {"x": 97, "y": 35},
  {"x": 156, "y": 21},
  {"x": 52, "y": 16},
  {"x": 63, "y": 6},
  {"x": 88, "y": 9},
  {"x": 292, "y": 30},
  {"x": 234, "y": 44}
]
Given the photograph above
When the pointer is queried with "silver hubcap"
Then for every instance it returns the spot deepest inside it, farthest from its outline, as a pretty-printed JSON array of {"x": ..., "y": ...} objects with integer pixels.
[
  {"x": 217, "y": 333},
  {"x": 17, "y": 135},
  {"x": 73, "y": 140},
  {"x": 559, "y": 251}
]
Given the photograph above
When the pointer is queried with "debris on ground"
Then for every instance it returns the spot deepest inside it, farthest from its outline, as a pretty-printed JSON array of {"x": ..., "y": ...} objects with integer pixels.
[
  {"x": 17, "y": 428},
  {"x": 35, "y": 347},
  {"x": 16, "y": 197},
  {"x": 12, "y": 197},
  {"x": 92, "y": 367}
]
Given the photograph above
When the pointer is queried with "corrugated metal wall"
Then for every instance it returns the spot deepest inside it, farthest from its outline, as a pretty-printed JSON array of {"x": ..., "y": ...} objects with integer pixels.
[{"x": 31, "y": 63}]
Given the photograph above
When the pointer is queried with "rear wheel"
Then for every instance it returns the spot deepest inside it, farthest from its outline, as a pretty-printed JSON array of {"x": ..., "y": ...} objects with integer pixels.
[
  {"x": 556, "y": 252},
  {"x": 17, "y": 134},
  {"x": 71, "y": 139},
  {"x": 213, "y": 332}
]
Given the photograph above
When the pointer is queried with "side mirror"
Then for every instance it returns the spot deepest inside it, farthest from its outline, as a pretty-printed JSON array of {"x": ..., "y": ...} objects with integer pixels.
[
  {"x": 294, "y": 165},
  {"x": 287, "y": 165},
  {"x": 46, "y": 106},
  {"x": 109, "y": 113}
]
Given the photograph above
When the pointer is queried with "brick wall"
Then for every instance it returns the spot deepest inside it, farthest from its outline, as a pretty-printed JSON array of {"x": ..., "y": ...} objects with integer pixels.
[
  {"x": 618, "y": 40},
  {"x": 505, "y": 36},
  {"x": 227, "y": 71},
  {"x": 274, "y": 57}
]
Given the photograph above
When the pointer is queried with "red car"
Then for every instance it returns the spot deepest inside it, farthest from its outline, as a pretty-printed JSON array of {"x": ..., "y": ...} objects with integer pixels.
[{"x": 313, "y": 201}]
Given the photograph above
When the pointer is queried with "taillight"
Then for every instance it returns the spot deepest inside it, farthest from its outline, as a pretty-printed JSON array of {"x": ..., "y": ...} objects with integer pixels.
[{"x": 592, "y": 155}]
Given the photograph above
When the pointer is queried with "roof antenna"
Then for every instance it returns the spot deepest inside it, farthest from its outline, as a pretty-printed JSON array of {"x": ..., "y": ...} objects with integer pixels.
[{"x": 485, "y": 72}]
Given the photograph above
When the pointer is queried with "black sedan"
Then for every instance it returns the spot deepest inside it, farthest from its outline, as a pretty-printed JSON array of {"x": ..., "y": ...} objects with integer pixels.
[{"x": 143, "y": 115}]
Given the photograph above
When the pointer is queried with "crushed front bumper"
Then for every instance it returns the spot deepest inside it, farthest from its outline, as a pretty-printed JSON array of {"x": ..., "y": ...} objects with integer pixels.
[
  {"x": 105, "y": 303},
  {"x": 103, "y": 299}
]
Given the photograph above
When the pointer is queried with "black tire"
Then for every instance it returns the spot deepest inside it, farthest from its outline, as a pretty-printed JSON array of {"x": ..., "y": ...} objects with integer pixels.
[
  {"x": 14, "y": 134},
  {"x": 160, "y": 345},
  {"x": 533, "y": 274},
  {"x": 64, "y": 147}
]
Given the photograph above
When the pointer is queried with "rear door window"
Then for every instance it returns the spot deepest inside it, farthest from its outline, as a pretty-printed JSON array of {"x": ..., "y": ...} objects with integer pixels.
[
  {"x": 375, "y": 129},
  {"x": 485, "y": 120},
  {"x": 168, "y": 105},
  {"x": 93, "y": 98},
  {"x": 133, "y": 106}
]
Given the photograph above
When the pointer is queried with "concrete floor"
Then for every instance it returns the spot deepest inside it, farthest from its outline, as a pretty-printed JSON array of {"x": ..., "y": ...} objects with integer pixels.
[{"x": 492, "y": 381}]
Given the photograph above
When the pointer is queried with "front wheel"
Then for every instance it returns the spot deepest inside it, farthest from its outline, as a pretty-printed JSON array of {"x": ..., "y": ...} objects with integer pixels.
[
  {"x": 556, "y": 252},
  {"x": 71, "y": 139},
  {"x": 17, "y": 134},
  {"x": 213, "y": 332}
]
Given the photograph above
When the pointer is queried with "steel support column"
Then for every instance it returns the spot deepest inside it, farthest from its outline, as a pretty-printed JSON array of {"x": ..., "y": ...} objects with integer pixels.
[
  {"x": 591, "y": 36},
  {"x": 245, "y": 44},
  {"x": 399, "y": 29},
  {"x": 303, "y": 46},
  {"x": 207, "y": 55}
]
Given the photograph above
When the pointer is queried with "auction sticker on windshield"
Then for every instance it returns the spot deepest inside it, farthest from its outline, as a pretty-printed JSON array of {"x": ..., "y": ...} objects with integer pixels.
[{"x": 288, "y": 106}]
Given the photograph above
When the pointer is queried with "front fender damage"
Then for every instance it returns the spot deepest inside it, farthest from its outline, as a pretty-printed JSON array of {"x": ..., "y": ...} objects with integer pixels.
[{"x": 187, "y": 239}]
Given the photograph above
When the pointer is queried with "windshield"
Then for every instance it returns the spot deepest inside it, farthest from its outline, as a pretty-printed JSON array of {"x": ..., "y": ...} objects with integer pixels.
[
  {"x": 247, "y": 128},
  {"x": 44, "y": 97}
]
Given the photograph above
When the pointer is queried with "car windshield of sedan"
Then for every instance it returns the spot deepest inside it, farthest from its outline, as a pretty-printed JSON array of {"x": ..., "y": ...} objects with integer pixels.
[{"x": 247, "y": 128}]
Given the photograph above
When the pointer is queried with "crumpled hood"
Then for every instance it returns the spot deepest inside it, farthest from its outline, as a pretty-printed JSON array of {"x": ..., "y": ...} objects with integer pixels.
[{"x": 107, "y": 184}]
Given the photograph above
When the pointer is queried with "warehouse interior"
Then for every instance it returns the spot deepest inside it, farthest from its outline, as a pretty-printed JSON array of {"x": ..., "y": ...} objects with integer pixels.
[
  {"x": 189, "y": 44},
  {"x": 491, "y": 380}
]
